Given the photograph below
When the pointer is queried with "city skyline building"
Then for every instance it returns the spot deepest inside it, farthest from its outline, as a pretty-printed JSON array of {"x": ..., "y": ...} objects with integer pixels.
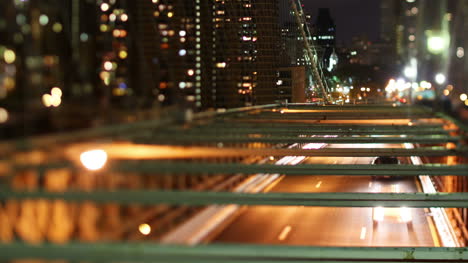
[
  {"x": 324, "y": 33},
  {"x": 123, "y": 56}
]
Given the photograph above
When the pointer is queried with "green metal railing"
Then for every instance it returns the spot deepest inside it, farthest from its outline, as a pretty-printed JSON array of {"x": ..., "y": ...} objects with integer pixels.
[{"x": 236, "y": 128}]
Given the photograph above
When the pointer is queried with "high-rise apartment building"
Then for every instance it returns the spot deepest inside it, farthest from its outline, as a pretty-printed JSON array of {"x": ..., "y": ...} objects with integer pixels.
[
  {"x": 122, "y": 56},
  {"x": 244, "y": 53}
]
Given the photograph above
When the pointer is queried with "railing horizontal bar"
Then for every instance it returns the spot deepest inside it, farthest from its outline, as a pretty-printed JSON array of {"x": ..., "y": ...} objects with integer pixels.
[
  {"x": 369, "y": 107},
  {"x": 155, "y": 152},
  {"x": 403, "y": 121},
  {"x": 291, "y": 131},
  {"x": 152, "y": 197},
  {"x": 145, "y": 167},
  {"x": 138, "y": 252},
  {"x": 361, "y": 113},
  {"x": 337, "y": 117},
  {"x": 291, "y": 139},
  {"x": 213, "y": 114},
  {"x": 160, "y": 167},
  {"x": 316, "y": 126}
]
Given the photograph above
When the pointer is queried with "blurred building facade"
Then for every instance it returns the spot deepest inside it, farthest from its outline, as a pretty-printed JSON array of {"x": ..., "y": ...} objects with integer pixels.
[
  {"x": 430, "y": 42},
  {"x": 246, "y": 37},
  {"x": 70, "y": 64}
]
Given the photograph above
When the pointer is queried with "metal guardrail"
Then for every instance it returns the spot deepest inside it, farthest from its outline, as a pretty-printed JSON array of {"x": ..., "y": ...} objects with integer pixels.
[
  {"x": 435, "y": 139},
  {"x": 148, "y": 197},
  {"x": 122, "y": 252}
]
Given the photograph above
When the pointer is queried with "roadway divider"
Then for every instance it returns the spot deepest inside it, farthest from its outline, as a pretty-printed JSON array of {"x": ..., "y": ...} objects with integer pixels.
[{"x": 444, "y": 228}]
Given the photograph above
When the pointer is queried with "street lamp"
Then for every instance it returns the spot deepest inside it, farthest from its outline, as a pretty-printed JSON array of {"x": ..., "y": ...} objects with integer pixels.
[
  {"x": 440, "y": 78},
  {"x": 93, "y": 160},
  {"x": 437, "y": 42}
]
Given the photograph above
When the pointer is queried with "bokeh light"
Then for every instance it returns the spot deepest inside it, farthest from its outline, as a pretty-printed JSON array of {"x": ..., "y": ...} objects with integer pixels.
[
  {"x": 145, "y": 229},
  {"x": 94, "y": 160}
]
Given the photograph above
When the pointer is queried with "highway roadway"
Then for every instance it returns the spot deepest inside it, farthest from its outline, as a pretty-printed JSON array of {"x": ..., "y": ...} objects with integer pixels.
[{"x": 321, "y": 226}]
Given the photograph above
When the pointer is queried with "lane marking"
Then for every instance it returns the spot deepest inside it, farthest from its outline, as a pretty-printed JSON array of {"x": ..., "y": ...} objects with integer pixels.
[
  {"x": 284, "y": 233},
  {"x": 363, "y": 233},
  {"x": 273, "y": 184},
  {"x": 318, "y": 184}
]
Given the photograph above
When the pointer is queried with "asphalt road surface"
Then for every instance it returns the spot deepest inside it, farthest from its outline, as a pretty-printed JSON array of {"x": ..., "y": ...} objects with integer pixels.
[{"x": 330, "y": 226}]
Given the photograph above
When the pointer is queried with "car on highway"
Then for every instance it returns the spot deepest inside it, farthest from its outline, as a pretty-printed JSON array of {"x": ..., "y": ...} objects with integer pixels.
[
  {"x": 392, "y": 215},
  {"x": 384, "y": 160}
]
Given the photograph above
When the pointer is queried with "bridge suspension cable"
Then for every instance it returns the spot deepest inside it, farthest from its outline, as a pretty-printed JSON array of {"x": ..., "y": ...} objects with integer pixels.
[{"x": 311, "y": 53}]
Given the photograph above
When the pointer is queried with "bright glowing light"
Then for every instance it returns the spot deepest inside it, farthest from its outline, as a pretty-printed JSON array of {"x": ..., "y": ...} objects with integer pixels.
[
  {"x": 460, "y": 52},
  {"x": 463, "y": 97},
  {"x": 9, "y": 56},
  {"x": 103, "y": 28},
  {"x": 123, "y": 54},
  {"x": 313, "y": 146},
  {"x": 47, "y": 100},
  {"x": 108, "y": 65},
  {"x": 410, "y": 72},
  {"x": 3, "y": 115},
  {"x": 94, "y": 159},
  {"x": 378, "y": 214},
  {"x": 43, "y": 20},
  {"x": 56, "y": 92},
  {"x": 145, "y": 229},
  {"x": 221, "y": 65},
  {"x": 124, "y": 17},
  {"x": 190, "y": 72},
  {"x": 56, "y": 101},
  {"x": 170, "y": 14},
  {"x": 390, "y": 86},
  {"x": 104, "y": 7},
  {"x": 182, "y": 33},
  {"x": 182, "y": 52},
  {"x": 446, "y": 92},
  {"x": 401, "y": 85},
  {"x": 440, "y": 78},
  {"x": 436, "y": 44},
  {"x": 116, "y": 33},
  {"x": 425, "y": 85},
  {"x": 405, "y": 214}
]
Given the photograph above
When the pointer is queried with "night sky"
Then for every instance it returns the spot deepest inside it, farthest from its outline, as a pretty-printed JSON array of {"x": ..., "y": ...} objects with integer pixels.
[{"x": 352, "y": 17}]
